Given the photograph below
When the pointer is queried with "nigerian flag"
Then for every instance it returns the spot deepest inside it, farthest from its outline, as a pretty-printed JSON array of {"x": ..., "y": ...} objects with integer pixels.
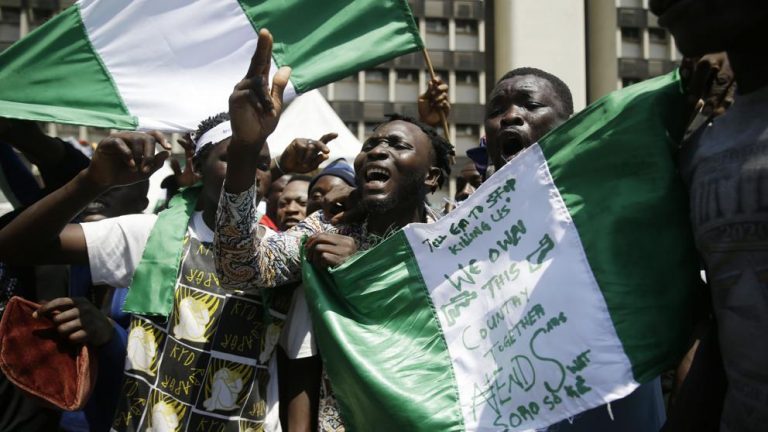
[
  {"x": 167, "y": 64},
  {"x": 563, "y": 283}
]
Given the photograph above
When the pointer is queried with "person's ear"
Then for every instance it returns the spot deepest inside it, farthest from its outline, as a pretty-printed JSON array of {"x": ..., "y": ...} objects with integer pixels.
[{"x": 432, "y": 181}]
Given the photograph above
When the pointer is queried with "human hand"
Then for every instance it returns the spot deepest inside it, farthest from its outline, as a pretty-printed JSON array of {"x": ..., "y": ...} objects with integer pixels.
[
  {"x": 126, "y": 158},
  {"x": 187, "y": 176},
  {"x": 353, "y": 211},
  {"x": 434, "y": 102},
  {"x": 329, "y": 250},
  {"x": 304, "y": 155},
  {"x": 254, "y": 109},
  {"x": 336, "y": 201},
  {"x": 78, "y": 320},
  {"x": 708, "y": 82}
]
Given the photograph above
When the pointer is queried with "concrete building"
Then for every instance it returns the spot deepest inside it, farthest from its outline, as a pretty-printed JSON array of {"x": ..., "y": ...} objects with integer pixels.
[
  {"x": 625, "y": 45},
  {"x": 595, "y": 46},
  {"x": 454, "y": 33}
]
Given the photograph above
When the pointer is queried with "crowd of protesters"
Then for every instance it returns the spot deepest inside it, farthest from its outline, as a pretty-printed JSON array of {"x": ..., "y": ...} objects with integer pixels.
[{"x": 238, "y": 222}]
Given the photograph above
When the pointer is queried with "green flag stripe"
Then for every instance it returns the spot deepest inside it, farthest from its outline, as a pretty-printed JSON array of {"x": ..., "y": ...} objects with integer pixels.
[
  {"x": 617, "y": 215},
  {"x": 61, "y": 43},
  {"x": 412, "y": 375},
  {"x": 324, "y": 41}
]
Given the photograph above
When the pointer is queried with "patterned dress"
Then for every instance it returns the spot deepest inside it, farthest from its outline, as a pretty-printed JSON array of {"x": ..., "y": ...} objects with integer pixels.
[{"x": 246, "y": 257}]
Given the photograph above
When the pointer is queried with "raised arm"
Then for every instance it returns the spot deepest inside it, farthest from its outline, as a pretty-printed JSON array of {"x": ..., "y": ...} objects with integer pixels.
[
  {"x": 57, "y": 161},
  {"x": 42, "y": 233},
  {"x": 254, "y": 110}
]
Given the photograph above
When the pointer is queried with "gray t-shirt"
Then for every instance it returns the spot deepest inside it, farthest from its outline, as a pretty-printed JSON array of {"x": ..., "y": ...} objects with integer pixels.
[{"x": 727, "y": 171}]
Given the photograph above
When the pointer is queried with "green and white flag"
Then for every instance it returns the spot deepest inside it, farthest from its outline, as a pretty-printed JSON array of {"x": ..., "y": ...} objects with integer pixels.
[
  {"x": 167, "y": 64},
  {"x": 563, "y": 283}
]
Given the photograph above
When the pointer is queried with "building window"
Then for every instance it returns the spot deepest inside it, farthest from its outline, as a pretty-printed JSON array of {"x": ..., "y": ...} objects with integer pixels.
[
  {"x": 408, "y": 76},
  {"x": 437, "y": 34},
  {"x": 630, "y": 34},
  {"x": 346, "y": 89},
  {"x": 631, "y": 3},
  {"x": 407, "y": 85},
  {"x": 377, "y": 85},
  {"x": 10, "y": 15},
  {"x": 467, "y": 136},
  {"x": 657, "y": 35},
  {"x": 434, "y": 8},
  {"x": 631, "y": 43},
  {"x": 468, "y": 27},
  {"x": 466, "y": 9},
  {"x": 41, "y": 15},
  {"x": 467, "y": 87},
  {"x": 376, "y": 75},
  {"x": 442, "y": 74},
  {"x": 466, "y": 35},
  {"x": 658, "y": 43}
]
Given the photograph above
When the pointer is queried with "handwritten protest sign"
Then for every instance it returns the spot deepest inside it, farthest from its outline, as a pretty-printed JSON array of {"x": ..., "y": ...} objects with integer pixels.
[{"x": 505, "y": 335}]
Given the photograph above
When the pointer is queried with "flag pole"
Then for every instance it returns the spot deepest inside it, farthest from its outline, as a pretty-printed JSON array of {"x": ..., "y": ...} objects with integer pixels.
[
  {"x": 442, "y": 114},
  {"x": 432, "y": 74}
]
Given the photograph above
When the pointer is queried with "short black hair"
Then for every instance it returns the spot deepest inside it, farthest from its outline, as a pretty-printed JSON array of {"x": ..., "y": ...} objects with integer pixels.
[
  {"x": 442, "y": 148},
  {"x": 203, "y": 127},
  {"x": 210, "y": 123},
  {"x": 561, "y": 89}
]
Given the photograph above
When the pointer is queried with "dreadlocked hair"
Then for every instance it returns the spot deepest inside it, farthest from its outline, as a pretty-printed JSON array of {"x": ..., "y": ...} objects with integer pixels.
[
  {"x": 202, "y": 128},
  {"x": 442, "y": 148}
]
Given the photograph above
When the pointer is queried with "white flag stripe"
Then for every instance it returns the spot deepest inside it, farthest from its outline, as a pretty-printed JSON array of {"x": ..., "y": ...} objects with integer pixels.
[
  {"x": 174, "y": 62},
  {"x": 504, "y": 337}
]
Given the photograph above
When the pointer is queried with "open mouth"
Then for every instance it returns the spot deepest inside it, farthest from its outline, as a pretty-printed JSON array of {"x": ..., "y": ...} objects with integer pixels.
[
  {"x": 376, "y": 176},
  {"x": 511, "y": 144}
]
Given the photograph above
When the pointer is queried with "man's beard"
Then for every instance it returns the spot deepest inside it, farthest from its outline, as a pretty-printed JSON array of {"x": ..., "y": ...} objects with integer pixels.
[{"x": 411, "y": 189}]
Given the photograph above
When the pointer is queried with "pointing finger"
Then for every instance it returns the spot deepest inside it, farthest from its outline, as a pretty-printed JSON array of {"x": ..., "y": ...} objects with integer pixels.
[
  {"x": 329, "y": 137},
  {"x": 262, "y": 57}
]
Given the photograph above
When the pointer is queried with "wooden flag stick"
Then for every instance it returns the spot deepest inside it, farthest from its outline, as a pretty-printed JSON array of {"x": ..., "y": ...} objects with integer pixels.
[
  {"x": 452, "y": 158},
  {"x": 432, "y": 74}
]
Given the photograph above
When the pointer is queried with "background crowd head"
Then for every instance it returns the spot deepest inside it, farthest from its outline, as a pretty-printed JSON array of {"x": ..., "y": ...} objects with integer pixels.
[
  {"x": 292, "y": 204},
  {"x": 118, "y": 201},
  {"x": 210, "y": 161},
  {"x": 442, "y": 149},
  {"x": 337, "y": 176},
  {"x": 523, "y": 106}
]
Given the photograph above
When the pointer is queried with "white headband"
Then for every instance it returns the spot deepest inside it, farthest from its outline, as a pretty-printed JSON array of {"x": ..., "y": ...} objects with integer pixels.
[{"x": 216, "y": 135}]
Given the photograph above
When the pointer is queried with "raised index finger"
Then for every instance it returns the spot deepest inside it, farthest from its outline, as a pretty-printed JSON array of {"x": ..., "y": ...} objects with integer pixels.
[
  {"x": 329, "y": 137},
  {"x": 262, "y": 58}
]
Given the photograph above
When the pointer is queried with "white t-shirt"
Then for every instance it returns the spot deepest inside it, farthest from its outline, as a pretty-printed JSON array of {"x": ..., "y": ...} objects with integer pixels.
[
  {"x": 296, "y": 338},
  {"x": 116, "y": 245}
]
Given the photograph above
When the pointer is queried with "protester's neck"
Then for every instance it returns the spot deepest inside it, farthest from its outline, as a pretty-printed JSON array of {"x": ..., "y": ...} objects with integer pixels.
[
  {"x": 750, "y": 69},
  {"x": 395, "y": 218}
]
